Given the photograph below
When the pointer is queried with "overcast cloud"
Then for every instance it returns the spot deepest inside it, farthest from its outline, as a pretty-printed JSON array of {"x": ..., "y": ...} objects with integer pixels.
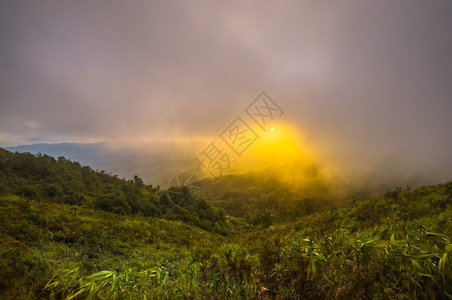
[{"x": 368, "y": 83}]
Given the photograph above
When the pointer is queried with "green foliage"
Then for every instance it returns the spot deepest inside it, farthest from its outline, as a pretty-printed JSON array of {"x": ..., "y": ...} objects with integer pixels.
[
  {"x": 375, "y": 248},
  {"x": 253, "y": 195},
  {"x": 41, "y": 177},
  {"x": 68, "y": 232},
  {"x": 128, "y": 283},
  {"x": 40, "y": 241}
]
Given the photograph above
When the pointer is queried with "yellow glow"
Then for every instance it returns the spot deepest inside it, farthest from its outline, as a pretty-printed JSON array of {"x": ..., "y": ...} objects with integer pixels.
[
  {"x": 281, "y": 145},
  {"x": 284, "y": 152}
]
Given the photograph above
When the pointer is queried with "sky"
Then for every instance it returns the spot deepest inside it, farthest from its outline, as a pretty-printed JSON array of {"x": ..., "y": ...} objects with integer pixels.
[{"x": 366, "y": 85}]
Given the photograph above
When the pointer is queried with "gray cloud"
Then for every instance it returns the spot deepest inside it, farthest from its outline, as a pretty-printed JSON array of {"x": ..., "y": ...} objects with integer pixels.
[{"x": 368, "y": 83}]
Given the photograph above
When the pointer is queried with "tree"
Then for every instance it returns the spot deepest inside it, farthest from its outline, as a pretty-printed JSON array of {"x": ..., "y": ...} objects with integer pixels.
[{"x": 138, "y": 182}]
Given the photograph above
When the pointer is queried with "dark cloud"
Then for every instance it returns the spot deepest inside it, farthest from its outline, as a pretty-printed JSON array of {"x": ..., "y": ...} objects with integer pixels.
[{"x": 366, "y": 82}]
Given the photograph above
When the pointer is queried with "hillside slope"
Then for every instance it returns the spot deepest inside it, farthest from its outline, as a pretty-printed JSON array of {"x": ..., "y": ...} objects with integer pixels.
[
  {"x": 67, "y": 231},
  {"x": 44, "y": 178},
  {"x": 394, "y": 247},
  {"x": 37, "y": 239}
]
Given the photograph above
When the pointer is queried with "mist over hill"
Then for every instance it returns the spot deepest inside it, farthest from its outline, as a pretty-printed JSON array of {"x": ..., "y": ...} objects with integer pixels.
[
  {"x": 163, "y": 167},
  {"x": 152, "y": 167}
]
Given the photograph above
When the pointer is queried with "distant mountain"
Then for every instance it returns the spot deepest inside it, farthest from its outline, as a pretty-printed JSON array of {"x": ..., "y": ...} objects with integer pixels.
[
  {"x": 154, "y": 168},
  {"x": 84, "y": 153}
]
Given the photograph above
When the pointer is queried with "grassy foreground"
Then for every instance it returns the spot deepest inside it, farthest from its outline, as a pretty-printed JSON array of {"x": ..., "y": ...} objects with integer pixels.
[{"x": 397, "y": 246}]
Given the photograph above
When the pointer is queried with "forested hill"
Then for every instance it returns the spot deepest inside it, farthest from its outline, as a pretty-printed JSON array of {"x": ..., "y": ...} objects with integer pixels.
[
  {"x": 69, "y": 232},
  {"x": 228, "y": 204},
  {"x": 44, "y": 178},
  {"x": 264, "y": 198}
]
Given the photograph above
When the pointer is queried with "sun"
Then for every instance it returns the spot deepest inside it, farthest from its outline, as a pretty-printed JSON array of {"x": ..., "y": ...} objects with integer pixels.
[{"x": 278, "y": 146}]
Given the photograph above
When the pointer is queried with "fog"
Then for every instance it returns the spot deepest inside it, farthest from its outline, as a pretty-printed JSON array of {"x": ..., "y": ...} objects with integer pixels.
[{"x": 365, "y": 85}]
